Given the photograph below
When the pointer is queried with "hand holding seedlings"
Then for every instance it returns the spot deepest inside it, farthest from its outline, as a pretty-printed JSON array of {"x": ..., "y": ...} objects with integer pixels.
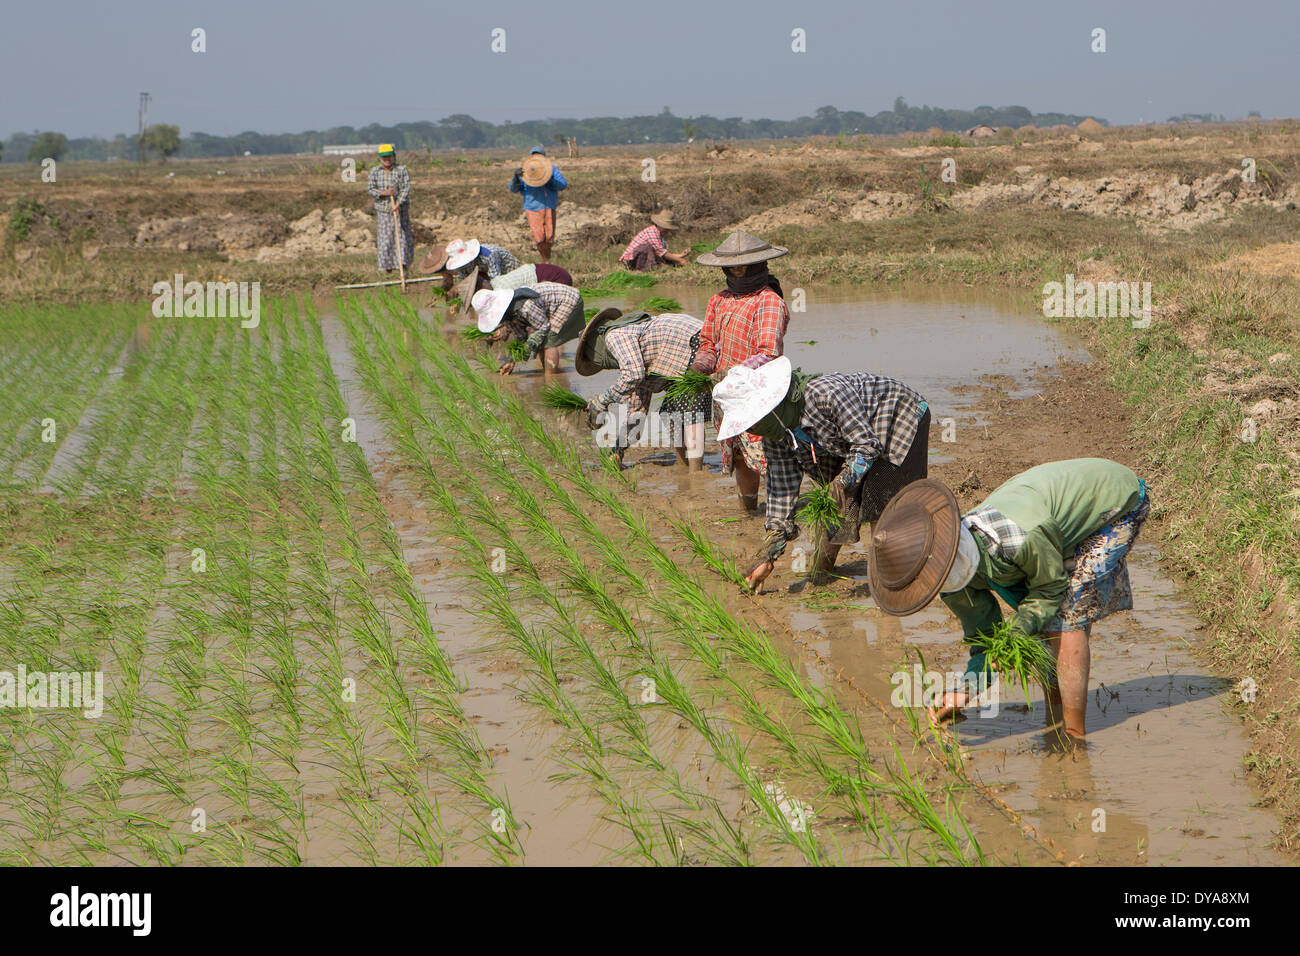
[{"x": 756, "y": 577}]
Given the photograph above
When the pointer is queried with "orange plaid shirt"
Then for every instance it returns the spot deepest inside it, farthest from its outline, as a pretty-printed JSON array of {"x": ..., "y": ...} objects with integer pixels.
[{"x": 744, "y": 328}]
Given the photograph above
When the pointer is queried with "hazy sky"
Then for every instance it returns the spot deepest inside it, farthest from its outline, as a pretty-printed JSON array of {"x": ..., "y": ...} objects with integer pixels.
[{"x": 77, "y": 67}]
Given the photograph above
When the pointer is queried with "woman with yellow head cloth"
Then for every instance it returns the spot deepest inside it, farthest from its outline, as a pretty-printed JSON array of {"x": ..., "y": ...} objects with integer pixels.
[{"x": 390, "y": 185}]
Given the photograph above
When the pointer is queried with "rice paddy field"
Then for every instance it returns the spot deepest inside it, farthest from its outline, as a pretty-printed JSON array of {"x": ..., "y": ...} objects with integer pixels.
[{"x": 221, "y": 532}]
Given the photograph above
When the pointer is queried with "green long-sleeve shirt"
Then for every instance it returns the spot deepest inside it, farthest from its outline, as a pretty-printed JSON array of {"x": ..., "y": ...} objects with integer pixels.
[{"x": 1056, "y": 506}]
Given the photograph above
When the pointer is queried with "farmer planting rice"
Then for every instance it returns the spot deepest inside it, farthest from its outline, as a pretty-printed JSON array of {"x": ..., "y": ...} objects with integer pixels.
[
  {"x": 543, "y": 317},
  {"x": 745, "y": 325},
  {"x": 648, "y": 248},
  {"x": 1052, "y": 542},
  {"x": 526, "y": 275},
  {"x": 390, "y": 185},
  {"x": 864, "y": 437},
  {"x": 460, "y": 257},
  {"x": 648, "y": 351},
  {"x": 540, "y": 182}
]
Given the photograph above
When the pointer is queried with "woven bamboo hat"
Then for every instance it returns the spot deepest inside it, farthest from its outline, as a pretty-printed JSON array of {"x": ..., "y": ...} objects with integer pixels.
[
  {"x": 664, "y": 219},
  {"x": 537, "y": 170},
  {"x": 913, "y": 546},
  {"x": 581, "y": 364},
  {"x": 741, "y": 249},
  {"x": 435, "y": 261},
  {"x": 466, "y": 287}
]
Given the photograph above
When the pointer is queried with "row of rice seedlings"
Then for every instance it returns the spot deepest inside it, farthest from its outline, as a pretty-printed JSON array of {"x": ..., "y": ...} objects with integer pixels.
[
  {"x": 824, "y": 711},
  {"x": 60, "y": 359},
  {"x": 553, "y": 698},
  {"x": 725, "y": 746},
  {"x": 452, "y": 733}
]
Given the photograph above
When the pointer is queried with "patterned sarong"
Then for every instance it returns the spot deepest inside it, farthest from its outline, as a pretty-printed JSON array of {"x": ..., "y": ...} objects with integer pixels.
[
  {"x": 1099, "y": 584},
  {"x": 386, "y": 241}
]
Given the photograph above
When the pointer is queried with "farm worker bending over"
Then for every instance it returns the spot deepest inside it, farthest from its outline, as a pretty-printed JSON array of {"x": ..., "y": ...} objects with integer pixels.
[
  {"x": 648, "y": 351},
  {"x": 866, "y": 435},
  {"x": 390, "y": 185},
  {"x": 540, "y": 182},
  {"x": 745, "y": 324},
  {"x": 544, "y": 316},
  {"x": 1052, "y": 542},
  {"x": 647, "y": 248},
  {"x": 526, "y": 275},
  {"x": 460, "y": 257}
]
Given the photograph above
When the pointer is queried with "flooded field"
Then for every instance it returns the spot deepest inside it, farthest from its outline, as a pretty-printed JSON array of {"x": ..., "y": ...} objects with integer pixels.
[{"x": 354, "y": 604}]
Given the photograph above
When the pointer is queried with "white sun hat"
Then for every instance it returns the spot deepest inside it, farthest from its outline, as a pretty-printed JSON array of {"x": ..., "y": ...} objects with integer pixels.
[
  {"x": 491, "y": 305},
  {"x": 461, "y": 252},
  {"x": 748, "y": 394}
]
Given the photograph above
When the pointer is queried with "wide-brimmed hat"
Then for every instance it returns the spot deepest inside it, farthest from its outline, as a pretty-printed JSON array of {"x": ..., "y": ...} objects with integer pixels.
[
  {"x": 913, "y": 546},
  {"x": 747, "y": 394},
  {"x": 537, "y": 170},
  {"x": 741, "y": 249},
  {"x": 664, "y": 219},
  {"x": 461, "y": 252},
  {"x": 466, "y": 287},
  {"x": 581, "y": 363},
  {"x": 490, "y": 305},
  {"x": 436, "y": 260}
]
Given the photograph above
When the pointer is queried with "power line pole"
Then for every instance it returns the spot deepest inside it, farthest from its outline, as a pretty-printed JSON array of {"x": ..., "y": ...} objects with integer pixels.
[{"x": 139, "y": 141}]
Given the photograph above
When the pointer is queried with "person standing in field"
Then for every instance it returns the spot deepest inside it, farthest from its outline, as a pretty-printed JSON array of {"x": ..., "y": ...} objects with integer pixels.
[
  {"x": 390, "y": 185},
  {"x": 648, "y": 248},
  {"x": 544, "y": 316},
  {"x": 648, "y": 351},
  {"x": 540, "y": 182},
  {"x": 1052, "y": 542},
  {"x": 863, "y": 435},
  {"x": 745, "y": 325}
]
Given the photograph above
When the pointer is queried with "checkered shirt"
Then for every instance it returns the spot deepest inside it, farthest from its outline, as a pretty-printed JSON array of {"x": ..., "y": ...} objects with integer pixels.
[
  {"x": 381, "y": 179},
  {"x": 845, "y": 413},
  {"x": 650, "y": 237},
  {"x": 745, "y": 327},
  {"x": 544, "y": 314},
  {"x": 1001, "y": 536},
  {"x": 648, "y": 354}
]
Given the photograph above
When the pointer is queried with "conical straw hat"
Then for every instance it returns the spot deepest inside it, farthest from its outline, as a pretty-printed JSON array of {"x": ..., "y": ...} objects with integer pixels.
[
  {"x": 740, "y": 249},
  {"x": 913, "y": 546}
]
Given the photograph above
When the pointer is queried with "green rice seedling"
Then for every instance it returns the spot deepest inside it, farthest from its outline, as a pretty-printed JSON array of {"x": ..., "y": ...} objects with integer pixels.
[
  {"x": 472, "y": 334},
  {"x": 518, "y": 350},
  {"x": 688, "y": 384},
  {"x": 561, "y": 399},
  {"x": 617, "y": 282},
  {"x": 819, "y": 510},
  {"x": 660, "y": 303},
  {"x": 1019, "y": 656}
]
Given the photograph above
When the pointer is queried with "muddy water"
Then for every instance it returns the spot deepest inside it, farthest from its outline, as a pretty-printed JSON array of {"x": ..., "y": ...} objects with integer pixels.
[{"x": 1161, "y": 780}]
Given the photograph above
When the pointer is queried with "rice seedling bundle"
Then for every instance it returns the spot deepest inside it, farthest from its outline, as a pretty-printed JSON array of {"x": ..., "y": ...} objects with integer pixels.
[
  {"x": 472, "y": 334},
  {"x": 1020, "y": 656},
  {"x": 561, "y": 399},
  {"x": 688, "y": 384},
  {"x": 617, "y": 282},
  {"x": 660, "y": 303},
  {"x": 517, "y": 350},
  {"x": 819, "y": 510}
]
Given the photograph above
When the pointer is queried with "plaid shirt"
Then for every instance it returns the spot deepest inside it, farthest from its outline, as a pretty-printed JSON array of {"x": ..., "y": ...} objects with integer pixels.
[
  {"x": 381, "y": 179},
  {"x": 845, "y": 413},
  {"x": 649, "y": 236},
  {"x": 658, "y": 349},
  {"x": 548, "y": 313},
  {"x": 745, "y": 329},
  {"x": 492, "y": 261}
]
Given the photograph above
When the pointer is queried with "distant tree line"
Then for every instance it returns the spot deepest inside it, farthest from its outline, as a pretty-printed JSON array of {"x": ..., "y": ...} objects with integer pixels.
[{"x": 465, "y": 132}]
